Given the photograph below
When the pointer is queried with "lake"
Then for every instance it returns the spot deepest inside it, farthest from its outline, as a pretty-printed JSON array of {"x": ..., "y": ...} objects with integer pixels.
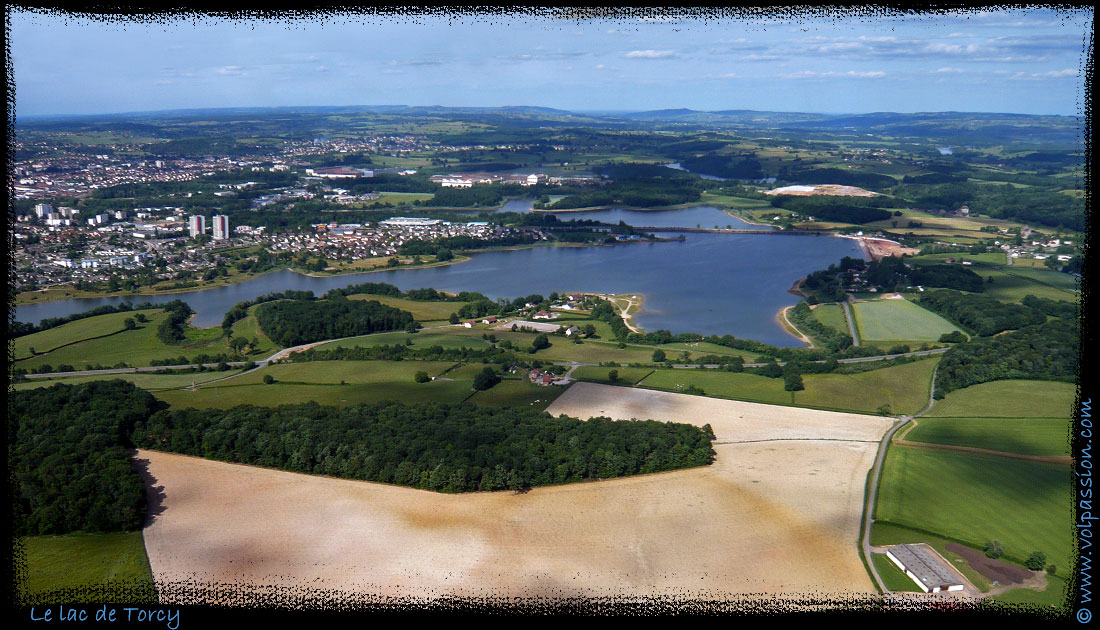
[{"x": 709, "y": 283}]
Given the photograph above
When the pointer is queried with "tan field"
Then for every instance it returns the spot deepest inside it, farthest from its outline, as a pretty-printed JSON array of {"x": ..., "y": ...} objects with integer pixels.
[{"x": 772, "y": 518}]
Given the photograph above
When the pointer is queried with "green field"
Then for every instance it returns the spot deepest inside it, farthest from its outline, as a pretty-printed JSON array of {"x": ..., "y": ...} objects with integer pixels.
[
  {"x": 627, "y": 375},
  {"x": 72, "y": 332},
  {"x": 144, "y": 380},
  {"x": 832, "y": 315},
  {"x": 422, "y": 311},
  {"x": 88, "y": 560},
  {"x": 898, "y": 321},
  {"x": 973, "y": 498},
  {"x": 365, "y": 381},
  {"x": 135, "y": 347},
  {"x": 1011, "y": 284},
  {"x": 986, "y": 258},
  {"x": 903, "y": 387},
  {"x": 1025, "y": 436},
  {"x": 1008, "y": 399},
  {"x": 518, "y": 393},
  {"x": 892, "y": 577},
  {"x": 423, "y": 339}
]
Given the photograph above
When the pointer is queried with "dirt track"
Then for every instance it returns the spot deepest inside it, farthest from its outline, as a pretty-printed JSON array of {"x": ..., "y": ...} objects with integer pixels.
[{"x": 774, "y": 517}]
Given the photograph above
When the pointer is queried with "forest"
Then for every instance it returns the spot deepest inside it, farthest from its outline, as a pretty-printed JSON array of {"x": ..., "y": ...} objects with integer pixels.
[
  {"x": 294, "y": 322},
  {"x": 69, "y": 454},
  {"x": 1046, "y": 351},
  {"x": 432, "y": 446},
  {"x": 980, "y": 314}
]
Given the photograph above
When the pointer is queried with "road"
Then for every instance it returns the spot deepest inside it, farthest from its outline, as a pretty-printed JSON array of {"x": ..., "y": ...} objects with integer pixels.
[
  {"x": 872, "y": 494},
  {"x": 851, "y": 322}
]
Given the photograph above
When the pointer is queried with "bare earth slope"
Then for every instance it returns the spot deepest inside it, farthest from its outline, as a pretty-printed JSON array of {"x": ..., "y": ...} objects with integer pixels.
[{"x": 774, "y": 517}]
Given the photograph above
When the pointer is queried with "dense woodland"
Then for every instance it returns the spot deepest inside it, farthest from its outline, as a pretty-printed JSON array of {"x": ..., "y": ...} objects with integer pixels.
[
  {"x": 294, "y": 322},
  {"x": 69, "y": 453},
  {"x": 434, "y": 446},
  {"x": 1043, "y": 352},
  {"x": 980, "y": 314}
]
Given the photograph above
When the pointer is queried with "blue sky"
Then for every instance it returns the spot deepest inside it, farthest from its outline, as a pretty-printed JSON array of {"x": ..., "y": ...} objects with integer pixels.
[{"x": 1025, "y": 61}]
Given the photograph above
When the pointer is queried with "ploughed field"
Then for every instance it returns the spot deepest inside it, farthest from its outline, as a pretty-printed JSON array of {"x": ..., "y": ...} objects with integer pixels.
[{"x": 777, "y": 513}]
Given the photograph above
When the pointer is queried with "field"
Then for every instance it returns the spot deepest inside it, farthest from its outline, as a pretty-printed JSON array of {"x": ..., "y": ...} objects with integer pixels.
[
  {"x": 423, "y": 339},
  {"x": 144, "y": 380},
  {"x": 832, "y": 315},
  {"x": 750, "y": 523},
  {"x": 627, "y": 375},
  {"x": 517, "y": 393},
  {"x": 1024, "y": 436},
  {"x": 975, "y": 498},
  {"x": 903, "y": 387},
  {"x": 88, "y": 560},
  {"x": 320, "y": 381},
  {"x": 422, "y": 311},
  {"x": 137, "y": 347},
  {"x": 1011, "y": 284},
  {"x": 898, "y": 320},
  {"x": 1008, "y": 399}
]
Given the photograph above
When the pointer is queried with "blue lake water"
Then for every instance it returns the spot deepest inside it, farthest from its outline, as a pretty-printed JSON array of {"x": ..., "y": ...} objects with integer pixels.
[{"x": 709, "y": 283}]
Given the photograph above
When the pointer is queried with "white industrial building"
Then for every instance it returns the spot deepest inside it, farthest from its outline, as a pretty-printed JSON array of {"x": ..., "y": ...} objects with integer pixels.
[{"x": 924, "y": 567}]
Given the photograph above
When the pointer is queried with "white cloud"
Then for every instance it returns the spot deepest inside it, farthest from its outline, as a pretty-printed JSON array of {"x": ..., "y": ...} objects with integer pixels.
[
  {"x": 946, "y": 70},
  {"x": 810, "y": 74},
  {"x": 650, "y": 54},
  {"x": 229, "y": 70}
]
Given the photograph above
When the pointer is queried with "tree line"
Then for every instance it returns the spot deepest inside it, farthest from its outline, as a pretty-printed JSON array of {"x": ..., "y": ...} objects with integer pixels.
[
  {"x": 294, "y": 322},
  {"x": 433, "y": 446}
]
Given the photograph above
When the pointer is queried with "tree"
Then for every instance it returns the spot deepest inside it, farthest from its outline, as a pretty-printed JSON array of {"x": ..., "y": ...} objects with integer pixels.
[
  {"x": 454, "y": 319},
  {"x": 540, "y": 342},
  {"x": 1036, "y": 561},
  {"x": 993, "y": 549},
  {"x": 129, "y": 323},
  {"x": 613, "y": 376},
  {"x": 658, "y": 356},
  {"x": 268, "y": 379},
  {"x": 422, "y": 377},
  {"x": 589, "y": 330},
  {"x": 485, "y": 379},
  {"x": 141, "y": 317}
]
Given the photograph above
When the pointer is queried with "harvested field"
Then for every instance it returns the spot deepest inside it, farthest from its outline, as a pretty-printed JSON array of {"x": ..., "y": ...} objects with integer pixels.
[
  {"x": 773, "y": 517},
  {"x": 822, "y": 189},
  {"x": 995, "y": 570}
]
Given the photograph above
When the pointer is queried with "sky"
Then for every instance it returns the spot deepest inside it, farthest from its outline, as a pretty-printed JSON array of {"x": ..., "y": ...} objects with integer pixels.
[{"x": 1024, "y": 61}]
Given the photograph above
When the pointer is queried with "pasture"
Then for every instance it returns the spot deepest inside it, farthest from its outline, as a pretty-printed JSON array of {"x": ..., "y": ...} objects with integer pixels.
[
  {"x": 832, "y": 315},
  {"x": 328, "y": 383},
  {"x": 421, "y": 311},
  {"x": 885, "y": 321},
  {"x": 1008, "y": 399},
  {"x": 88, "y": 562},
  {"x": 1023, "y": 436},
  {"x": 974, "y": 498}
]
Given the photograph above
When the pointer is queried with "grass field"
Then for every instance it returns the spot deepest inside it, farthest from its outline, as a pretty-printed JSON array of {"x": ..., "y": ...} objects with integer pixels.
[
  {"x": 151, "y": 382},
  {"x": 988, "y": 258},
  {"x": 1025, "y": 436},
  {"x": 627, "y": 375},
  {"x": 83, "y": 560},
  {"x": 72, "y": 332},
  {"x": 422, "y": 311},
  {"x": 832, "y": 315},
  {"x": 893, "y": 577},
  {"x": 898, "y": 320},
  {"x": 518, "y": 393},
  {"x": 366, "y": 381},
  {"x": 423, "y": 339},
  {"x": 1011, "y": 284},
  {"x": 1008, "y": 399},
  {"x": 135, "y": 347},
  {"x": 903, "y": 387},
  {"x": 973, "y": 498}
]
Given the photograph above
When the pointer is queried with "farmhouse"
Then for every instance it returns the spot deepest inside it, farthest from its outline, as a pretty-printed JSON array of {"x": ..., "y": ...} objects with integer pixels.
[
  {"x": 546, "y": 315},
  {"x": 920, "y": 564}
]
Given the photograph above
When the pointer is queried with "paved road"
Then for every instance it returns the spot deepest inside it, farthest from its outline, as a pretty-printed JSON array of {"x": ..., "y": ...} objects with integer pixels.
[
  {"x": 851, "y": 322},
  {"x": 872, "y": 495}
]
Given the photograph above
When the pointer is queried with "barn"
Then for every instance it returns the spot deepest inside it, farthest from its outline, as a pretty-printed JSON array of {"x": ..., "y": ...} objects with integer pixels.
[{"x": 925, "y": 568}]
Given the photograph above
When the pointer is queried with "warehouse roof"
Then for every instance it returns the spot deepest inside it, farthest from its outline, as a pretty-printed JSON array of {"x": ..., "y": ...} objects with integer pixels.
[{"x": 923, "y": 564}]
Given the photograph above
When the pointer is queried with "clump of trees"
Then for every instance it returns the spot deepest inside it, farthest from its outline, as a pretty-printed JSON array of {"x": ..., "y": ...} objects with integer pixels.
[
  {"x": 434, "y": 446},
  {"x": 173, "y": 329},
  {"x": 1043, "y": 352},
  {"x": 981, "y": 314},
  {"x": 290, "y": 323},
  {"x": 69, "y": 455}
]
